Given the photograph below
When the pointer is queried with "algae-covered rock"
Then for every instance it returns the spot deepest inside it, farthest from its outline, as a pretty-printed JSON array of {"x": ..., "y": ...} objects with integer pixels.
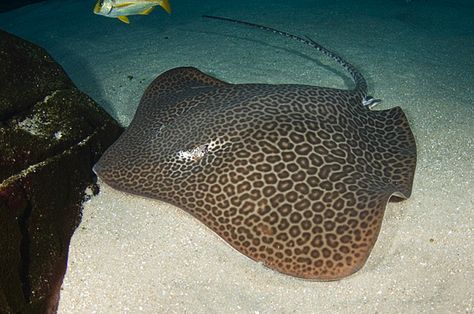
[
  {"x": 51, "y": 134},
  {"x": 27, "y": 75}
]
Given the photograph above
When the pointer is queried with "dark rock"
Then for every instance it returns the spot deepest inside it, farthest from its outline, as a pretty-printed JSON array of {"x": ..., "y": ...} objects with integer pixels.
[
  {"x": 6, "y": 5},
  {"x": 51, "y": 135},
  {"x": 34, "y": 71}
]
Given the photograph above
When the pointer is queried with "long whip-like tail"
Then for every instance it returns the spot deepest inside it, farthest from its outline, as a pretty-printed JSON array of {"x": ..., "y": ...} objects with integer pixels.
[{"x": 360, "y": 82}]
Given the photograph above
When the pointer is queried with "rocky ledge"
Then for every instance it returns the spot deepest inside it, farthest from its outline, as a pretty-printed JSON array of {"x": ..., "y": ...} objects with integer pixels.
[{"x": 51, "y": 134}]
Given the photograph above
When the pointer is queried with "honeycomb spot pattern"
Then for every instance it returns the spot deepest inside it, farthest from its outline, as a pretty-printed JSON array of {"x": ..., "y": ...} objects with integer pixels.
[{"x": 296, "y": 177}]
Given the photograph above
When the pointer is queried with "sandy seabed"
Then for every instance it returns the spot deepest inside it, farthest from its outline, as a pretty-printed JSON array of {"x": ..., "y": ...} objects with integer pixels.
[{"x": 132, "y": 255}]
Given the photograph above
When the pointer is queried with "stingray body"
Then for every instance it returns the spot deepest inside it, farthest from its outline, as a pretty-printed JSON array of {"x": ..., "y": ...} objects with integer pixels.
[{"x": 296, "y": 177}]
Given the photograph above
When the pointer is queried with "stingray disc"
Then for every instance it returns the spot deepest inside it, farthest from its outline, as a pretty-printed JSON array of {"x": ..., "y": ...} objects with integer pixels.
[{"x": 294, "y": 176}]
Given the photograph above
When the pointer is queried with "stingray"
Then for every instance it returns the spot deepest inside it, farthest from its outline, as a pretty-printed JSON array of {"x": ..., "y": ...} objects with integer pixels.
[{"x": 296, "y": 177}]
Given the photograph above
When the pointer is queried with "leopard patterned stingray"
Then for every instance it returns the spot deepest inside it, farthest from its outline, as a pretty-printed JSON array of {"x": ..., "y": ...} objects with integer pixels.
[{"x": 296, "y": 177}]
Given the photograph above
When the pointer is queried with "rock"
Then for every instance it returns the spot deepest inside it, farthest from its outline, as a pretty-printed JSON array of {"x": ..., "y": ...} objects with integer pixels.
[
  {"x": 6, "y": 5},
  {"x": 27, "y": 75},
  {"x": 51, "y": 135}
]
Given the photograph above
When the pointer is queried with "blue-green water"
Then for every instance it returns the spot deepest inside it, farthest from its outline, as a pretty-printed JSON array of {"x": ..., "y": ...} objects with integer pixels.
[{"x": 418, "y": 55}]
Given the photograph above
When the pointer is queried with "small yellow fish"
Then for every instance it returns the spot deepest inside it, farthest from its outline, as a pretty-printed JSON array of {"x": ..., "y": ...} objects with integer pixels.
[{"x": 122, "y": 8}]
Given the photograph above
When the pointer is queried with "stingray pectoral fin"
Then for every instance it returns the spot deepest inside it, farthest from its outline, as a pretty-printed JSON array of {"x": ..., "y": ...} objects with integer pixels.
[
  {"x": 333, "y": 251},
  {"x": 393, "y": 134},
  {"x": 147, "y": 11},
  {"x": 124, "y": 19},
  {"x": 183, "y": 78},
  {"x": 163, "y": 95},
  {"x": 165, "y": 4}
]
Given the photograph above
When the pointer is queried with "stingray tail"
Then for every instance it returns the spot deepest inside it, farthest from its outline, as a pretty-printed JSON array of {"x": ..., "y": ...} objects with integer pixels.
[{"x": 360, "y": 82}]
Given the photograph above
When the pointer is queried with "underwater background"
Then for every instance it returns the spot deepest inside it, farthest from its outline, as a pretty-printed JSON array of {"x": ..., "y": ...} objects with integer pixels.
[{"x": 137, "y": 255}]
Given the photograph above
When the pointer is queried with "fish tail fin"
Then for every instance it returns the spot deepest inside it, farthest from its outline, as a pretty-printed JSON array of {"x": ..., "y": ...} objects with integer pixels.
[{"x": 165, "y": 4}]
